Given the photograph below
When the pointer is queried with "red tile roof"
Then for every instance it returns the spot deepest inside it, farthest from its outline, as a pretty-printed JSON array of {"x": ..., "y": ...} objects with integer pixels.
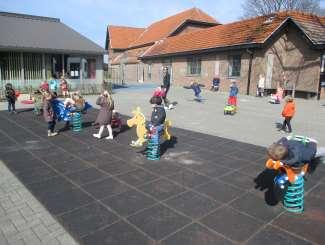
[
  {"x": 126, "y": 37},
  {"x": 251, "y": 31},
  {"x": 165, "y": 27},
  {"x": 122, "y": 36}
]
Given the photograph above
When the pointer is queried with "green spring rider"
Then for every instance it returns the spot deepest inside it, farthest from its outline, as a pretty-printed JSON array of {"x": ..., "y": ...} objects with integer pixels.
[
  {"x": 153, "y": 147},
  {"x": 76, "y": 122},
  {"x": 293, "y": 200}
]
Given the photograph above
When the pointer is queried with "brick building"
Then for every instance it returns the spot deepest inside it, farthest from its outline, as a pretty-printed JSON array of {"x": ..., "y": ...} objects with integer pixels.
[{"x": 285, "y": 47}]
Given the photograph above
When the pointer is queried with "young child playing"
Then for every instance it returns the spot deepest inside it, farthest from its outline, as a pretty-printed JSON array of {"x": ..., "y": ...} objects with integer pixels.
[
  {"x": 11, "y": 98},
  {"x": 196, "y": 89},
  {"x": 38, "y": 102},
  {"x": 49, "y": 114},
  {"x": 215, "y": 84},
  {"x": 64, "y": 87},
  {"x": 104, "y": 117},
  {"x": 158, "y": 116},
  {"x": 288, "y": 113},
  {"x": 232, "y": 99},
  {"x": 293, "y": 154}
]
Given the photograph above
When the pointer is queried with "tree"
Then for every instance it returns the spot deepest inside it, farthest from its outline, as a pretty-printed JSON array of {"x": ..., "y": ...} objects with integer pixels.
[{"x": 263, "y": 7}]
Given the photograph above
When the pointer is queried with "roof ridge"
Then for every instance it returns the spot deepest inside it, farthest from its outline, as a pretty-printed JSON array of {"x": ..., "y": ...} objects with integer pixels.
[
  {"x": 119, "y": 26},
  {"x": 28, "y": 16}
]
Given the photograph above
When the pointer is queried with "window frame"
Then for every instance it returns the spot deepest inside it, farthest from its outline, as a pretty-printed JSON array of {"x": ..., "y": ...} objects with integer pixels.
[
  {"x": 231, "y": 66},
  {"x": 197, "y": 68}
]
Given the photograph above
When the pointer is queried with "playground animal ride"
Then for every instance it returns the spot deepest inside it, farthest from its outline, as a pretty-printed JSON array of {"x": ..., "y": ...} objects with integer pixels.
[
  {"x": 290, "y": 179},
  {"x": 139, "y": 121}
]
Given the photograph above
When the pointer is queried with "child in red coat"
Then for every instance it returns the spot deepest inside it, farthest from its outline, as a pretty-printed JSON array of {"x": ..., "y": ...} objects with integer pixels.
[{"x": 288, "y": 112}]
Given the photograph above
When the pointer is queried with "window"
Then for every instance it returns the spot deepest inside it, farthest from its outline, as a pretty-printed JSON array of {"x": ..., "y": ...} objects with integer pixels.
[
  {"x": 234, "y": 66},
  {"x": 193, "y": 66},
  {"x": 149, "y": 71}
]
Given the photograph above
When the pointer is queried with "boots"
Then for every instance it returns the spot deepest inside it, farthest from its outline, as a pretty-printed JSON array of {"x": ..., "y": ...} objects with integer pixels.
[
  {"x": 99, "y": 135},
  {"x": 110, "y": 131}
]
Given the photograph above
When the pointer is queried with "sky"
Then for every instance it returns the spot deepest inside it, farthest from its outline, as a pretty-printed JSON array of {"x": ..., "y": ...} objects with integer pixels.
[{"x": 91, "y": 17}]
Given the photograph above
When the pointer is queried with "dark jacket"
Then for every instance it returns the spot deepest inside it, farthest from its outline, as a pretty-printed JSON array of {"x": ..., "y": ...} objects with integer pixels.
[
  {"x": 158, "y": 115},
  {"x": 105, "y": 112},
  {"x": 48, "y": 111},
  {"x": 196, "y": 88},
  {"x": 10, "y": 94},
  {"x": 299, "y": 153},
  {"x": 215, "y": 81},
  {"x": 166, "y": 81}
]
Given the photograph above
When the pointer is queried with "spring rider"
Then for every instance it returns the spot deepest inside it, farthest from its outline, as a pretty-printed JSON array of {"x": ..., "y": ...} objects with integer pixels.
[
  {"x": 151, "y": 136},
  {"x": 291, "y": 180}
]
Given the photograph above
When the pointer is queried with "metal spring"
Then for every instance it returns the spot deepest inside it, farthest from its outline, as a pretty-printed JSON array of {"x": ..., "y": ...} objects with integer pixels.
[
  {"x": 294, "y": 197},
  {"x": 76, "y": 122}
]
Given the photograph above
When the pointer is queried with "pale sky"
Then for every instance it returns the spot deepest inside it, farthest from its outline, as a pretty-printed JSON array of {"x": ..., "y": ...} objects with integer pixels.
[{"x": 91, "y": 17}]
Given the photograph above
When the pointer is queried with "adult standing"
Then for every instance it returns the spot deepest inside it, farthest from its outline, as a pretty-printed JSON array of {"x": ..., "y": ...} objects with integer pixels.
[
  {"x": 166, "y": 85},
  {"x": 261, "y": 86}
]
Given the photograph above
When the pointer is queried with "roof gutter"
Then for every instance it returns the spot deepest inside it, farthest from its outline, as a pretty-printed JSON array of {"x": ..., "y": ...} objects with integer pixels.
[
  {"x": 203, "y": 51},
  {"x": 49, "y": 50}
]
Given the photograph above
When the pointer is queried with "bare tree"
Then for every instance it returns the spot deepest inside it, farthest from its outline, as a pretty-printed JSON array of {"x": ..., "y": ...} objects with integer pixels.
[{"x": 263, "y": 7}]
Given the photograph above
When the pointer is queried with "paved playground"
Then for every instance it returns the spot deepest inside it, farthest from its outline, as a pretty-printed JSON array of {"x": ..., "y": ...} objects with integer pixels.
[{"x": 208, "y": 188}]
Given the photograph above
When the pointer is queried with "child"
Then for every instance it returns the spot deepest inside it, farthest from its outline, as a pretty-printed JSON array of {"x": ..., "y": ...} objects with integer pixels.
[
  {"x": 232, "y": 100},
  {"x": 277, "y": 97},
  {"x": 38, "y": 102},
  {"x": 196, "y": 89},
  {"x": 288, "y": 112},
  {"x": 64, "y": 87},
  {"x": 158, "y": 116},
  {"x": 44, "y": 86},
  {"x": 260, "y": 86},
  {"x": 215, "y": 84},
  {"x": 48, "y": 113},
  {"x": 11, "y": 98},
  {"x": 104, "y": 117}
]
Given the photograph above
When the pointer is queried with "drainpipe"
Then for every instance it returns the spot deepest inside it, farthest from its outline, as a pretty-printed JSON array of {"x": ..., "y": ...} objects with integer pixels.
[
  {"x": 321, "y": 74},
  {"x": 251, "y": 54}
]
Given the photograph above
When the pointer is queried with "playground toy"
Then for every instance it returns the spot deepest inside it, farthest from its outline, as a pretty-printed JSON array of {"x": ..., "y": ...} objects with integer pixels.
[
  {"x": 76, "y": 122},
  {"x": 229, "y": 110},
  {"x": 139, "y": 121},
  {"x": 293, "y": 177}
]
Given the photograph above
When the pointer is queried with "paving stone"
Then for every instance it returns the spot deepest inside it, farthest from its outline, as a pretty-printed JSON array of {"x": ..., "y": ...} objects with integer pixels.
[
  {"x": 88, "y": 219},
  {"x": 162, "y": 189},
  {"x": 219, "y": 191},
  {"x": 189, "y": 179},
  {"x": 137, "y": 177},
  {"x": 195, "y": 234},
  {"x": 117, "y": 234},
  {"x": 86, "y": 176},
  {"x": 192, "y": 204},
  {"x": 270, "y": 236},
  {"x": 105, "y": 188},
  {"x": 232, "y": 224},
  {"x": 309, "y": 224},
  {"x": 158, "y": 221},
  {"x": 256, "y": 207},
  {"x": 129, "y": 202}
]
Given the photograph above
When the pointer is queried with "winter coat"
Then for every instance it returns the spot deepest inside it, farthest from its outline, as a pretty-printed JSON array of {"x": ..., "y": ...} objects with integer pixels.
[
  {"x": 216, "y": 81},
  {"x": 10, "y": 95},
  {"x": 158, "y": 115},
  {"x": 48, "y": 111},
  {"x": 105, "y": 113},
  {"x": 299, "y": 153},
  {"x": 196, "y": 88},
  {"x": 233, "y": 91},
  {"x": 289, "y": 109},
  {"x": 166, "y": 81}
]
